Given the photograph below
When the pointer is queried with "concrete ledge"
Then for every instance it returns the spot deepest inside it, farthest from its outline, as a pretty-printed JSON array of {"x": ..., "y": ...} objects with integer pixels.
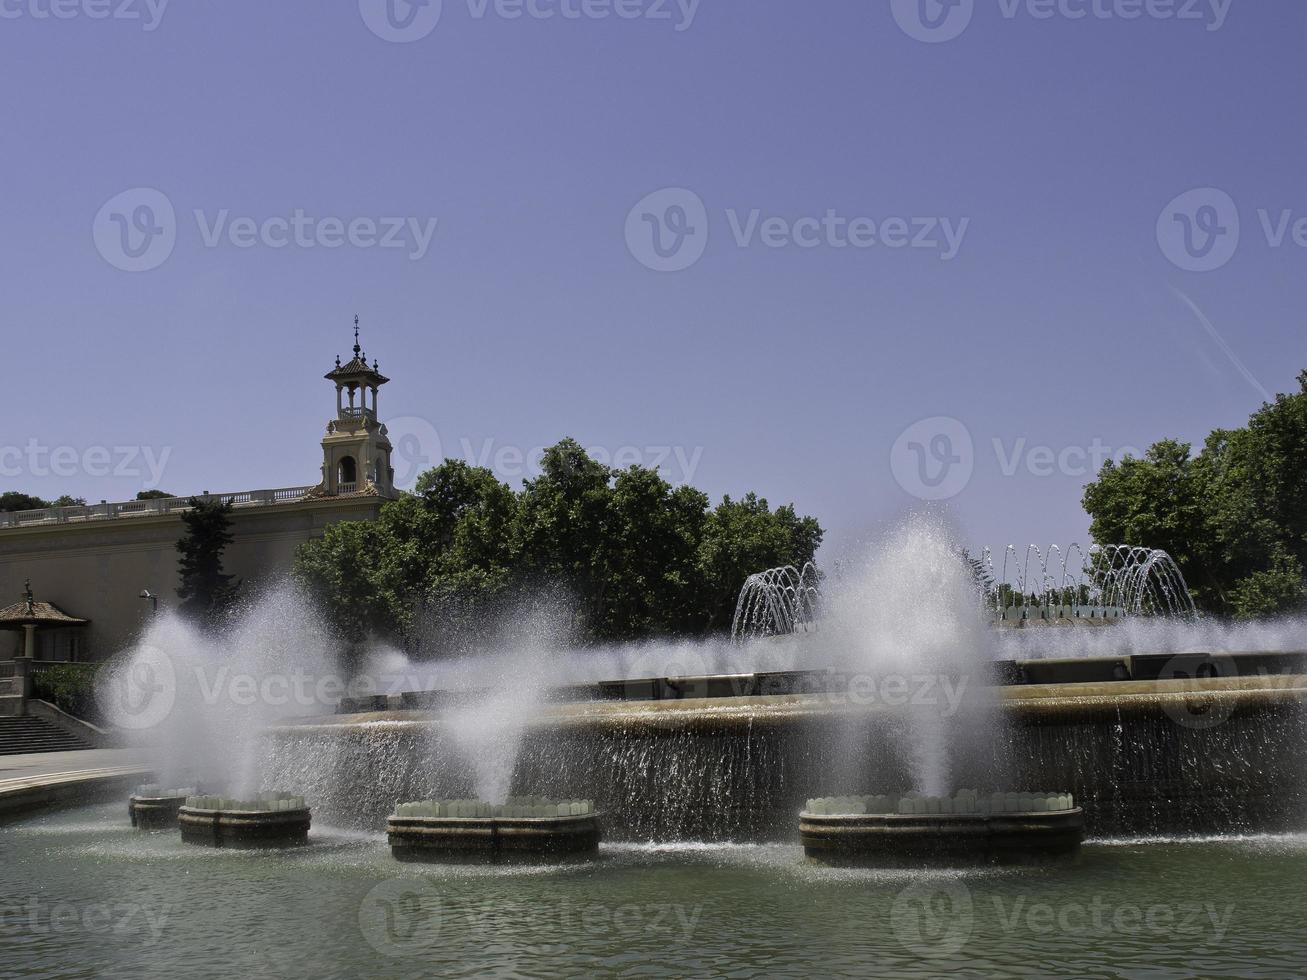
[
  {"x": 1091, "y": 701},
  {"x": 19, "y": 797}
]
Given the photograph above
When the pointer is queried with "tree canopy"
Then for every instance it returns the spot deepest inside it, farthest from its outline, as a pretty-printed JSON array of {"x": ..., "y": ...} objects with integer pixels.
[
  {"x": 207, "y": 593},
  {"x": 15, "y": 501},
  {"x": 633, "y": 555},
  {"x": 1234, "y": 516}
]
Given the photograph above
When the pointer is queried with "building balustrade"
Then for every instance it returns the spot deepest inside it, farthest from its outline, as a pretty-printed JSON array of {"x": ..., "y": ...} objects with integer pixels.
[{"x": 147, "y": 508}]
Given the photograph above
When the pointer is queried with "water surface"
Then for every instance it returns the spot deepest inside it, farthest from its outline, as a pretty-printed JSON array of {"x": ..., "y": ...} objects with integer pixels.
[{"x": 83, "y": 895}]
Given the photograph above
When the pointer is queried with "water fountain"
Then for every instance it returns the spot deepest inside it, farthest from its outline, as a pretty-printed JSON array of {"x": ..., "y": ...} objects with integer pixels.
[
  {"x": 1105, "y": 584},
  {"x": 777, "y": 602},
  {"x": 267, "y": 820},
  {"x": 522, "y": 829},
  {"x": 894, "y": 830}
]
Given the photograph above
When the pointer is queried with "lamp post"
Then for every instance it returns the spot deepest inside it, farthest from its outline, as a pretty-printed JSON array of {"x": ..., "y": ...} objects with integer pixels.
[{"x": 152, "y": 599}]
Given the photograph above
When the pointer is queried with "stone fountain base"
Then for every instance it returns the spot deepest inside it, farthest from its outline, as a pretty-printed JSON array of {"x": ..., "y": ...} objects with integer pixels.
[
  {"x": 155, "y": 812},
  {"x": 971, "y": 835},
  {"x": 492, "y": 835},
  {"x": 213, "y": 822}
]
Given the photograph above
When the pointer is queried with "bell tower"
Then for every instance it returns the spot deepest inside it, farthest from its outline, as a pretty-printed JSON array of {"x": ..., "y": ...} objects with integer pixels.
[{"x": 355, "y": 451}]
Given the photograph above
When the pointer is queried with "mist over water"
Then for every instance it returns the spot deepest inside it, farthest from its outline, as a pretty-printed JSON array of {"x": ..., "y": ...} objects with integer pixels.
[
  {"x": 200, "y": 701},
  {"x": 908, "y": 624},
  {"x": 904, "y": 627},
  {"x": 487, "y": 727},
  {"x": 1145, "y": 635}
]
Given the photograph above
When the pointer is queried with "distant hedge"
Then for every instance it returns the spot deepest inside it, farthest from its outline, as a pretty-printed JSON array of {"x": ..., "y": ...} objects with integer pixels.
[{"x": 69, "y": 687}]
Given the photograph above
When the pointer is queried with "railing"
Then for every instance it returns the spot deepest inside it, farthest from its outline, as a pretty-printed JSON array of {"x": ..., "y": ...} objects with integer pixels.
[
  {"x": 148, "y": 508},
  {"x": 357, "y": 413},
  {"x": 346, "y": 487}
]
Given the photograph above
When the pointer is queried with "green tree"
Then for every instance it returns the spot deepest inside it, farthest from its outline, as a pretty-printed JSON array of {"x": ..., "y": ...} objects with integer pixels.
[
  {"x": 630, "y": 554},
  {"x": 207, "y": 593},
  {"x": 745, "y": 536},
  {"x": 340, "y": 570},
  {"x": 153, "y": 495},
  {"x": 15, "y": 501},
  {"x": 1234, "y": 516}
]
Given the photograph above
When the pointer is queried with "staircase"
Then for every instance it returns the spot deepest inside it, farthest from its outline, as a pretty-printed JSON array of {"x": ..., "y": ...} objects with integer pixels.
[{"x": 22, "y": 735}]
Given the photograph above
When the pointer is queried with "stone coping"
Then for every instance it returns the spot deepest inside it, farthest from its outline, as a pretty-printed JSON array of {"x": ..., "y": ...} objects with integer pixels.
[
  {"x": 1030, "y": 702},
  {"x": 29, "y": 793}
]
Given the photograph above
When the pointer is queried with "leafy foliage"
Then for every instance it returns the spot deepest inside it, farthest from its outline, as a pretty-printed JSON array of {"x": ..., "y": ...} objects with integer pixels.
[
  {"x": 634, "y": 555},
  {"x": 69, "y": 687},
  {"x": 15, "y": 501},
  {"x": 1234, "y": 516},
  {"x": 206, "y": 591}
]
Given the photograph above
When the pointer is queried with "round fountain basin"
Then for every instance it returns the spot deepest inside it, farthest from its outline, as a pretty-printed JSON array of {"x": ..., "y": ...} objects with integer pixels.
[
  {"x": 244, "y": 828},
  {"x": 897, "y": 839},
  {"x": 154, "y": 812},
  {"x": 493, "y": 840}
]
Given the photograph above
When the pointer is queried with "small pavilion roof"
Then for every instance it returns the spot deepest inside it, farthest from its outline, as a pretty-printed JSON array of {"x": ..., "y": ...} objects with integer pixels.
[
  {"x": 357, "y": 370},
  {"x": 43, "y": 615}
]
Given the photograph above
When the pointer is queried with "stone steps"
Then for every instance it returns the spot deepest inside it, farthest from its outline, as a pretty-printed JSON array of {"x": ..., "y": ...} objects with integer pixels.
[{"x": 19, "y": 736}]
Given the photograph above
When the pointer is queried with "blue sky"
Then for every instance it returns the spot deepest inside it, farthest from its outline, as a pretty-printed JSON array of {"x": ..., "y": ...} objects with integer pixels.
[{"x": 1063, "y": 313}]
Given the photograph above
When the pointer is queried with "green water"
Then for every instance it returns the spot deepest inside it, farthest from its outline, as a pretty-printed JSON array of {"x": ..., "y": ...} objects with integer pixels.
[{"x": 83, "y": 895}]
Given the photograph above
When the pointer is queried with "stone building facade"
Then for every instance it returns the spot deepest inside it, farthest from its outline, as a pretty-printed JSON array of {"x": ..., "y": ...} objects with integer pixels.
[{"x": 98, "y": 562}]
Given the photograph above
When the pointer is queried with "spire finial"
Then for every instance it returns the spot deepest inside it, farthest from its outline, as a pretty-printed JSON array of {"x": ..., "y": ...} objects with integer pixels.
[{"x": 357, "y": 348}]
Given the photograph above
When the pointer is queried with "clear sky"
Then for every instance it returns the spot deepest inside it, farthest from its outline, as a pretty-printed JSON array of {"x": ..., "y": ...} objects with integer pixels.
[{"x": 980, "y": 214}]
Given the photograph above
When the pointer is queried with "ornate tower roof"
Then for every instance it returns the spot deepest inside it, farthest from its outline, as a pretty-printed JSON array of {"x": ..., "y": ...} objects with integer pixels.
[{"x": 357, "y": 373}]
